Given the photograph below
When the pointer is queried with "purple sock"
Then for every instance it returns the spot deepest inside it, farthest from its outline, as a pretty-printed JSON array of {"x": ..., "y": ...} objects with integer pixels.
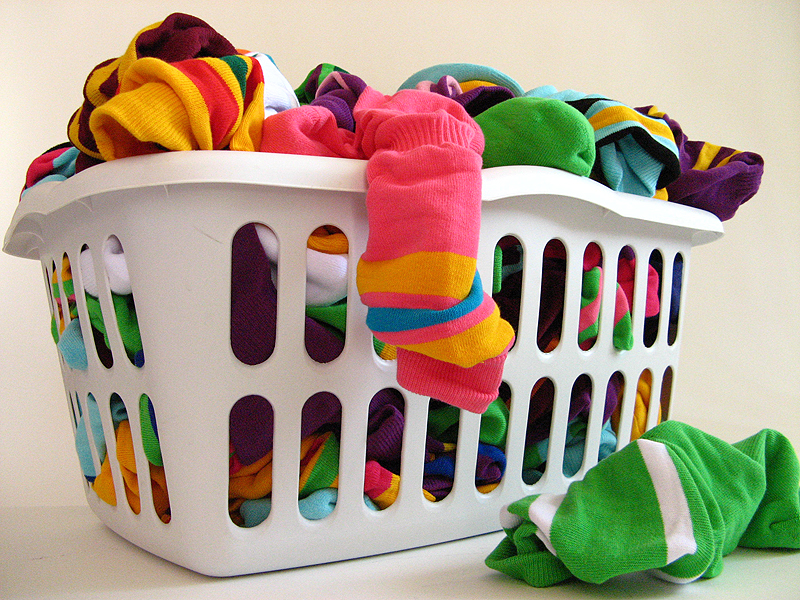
[{"x": 713, "y": 178}]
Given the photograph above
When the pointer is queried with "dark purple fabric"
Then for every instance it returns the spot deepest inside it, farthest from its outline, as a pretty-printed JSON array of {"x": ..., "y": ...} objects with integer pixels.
[
  {"x": 251, "y": 428},
  {"x": 474, "y": 101},
  {"x": 254, "y": 307},
  {"x": 718, "y": 190},
  {"x": 252, "y": 432},
  {"x": 181, "y": 36},
  {"x": 339, "y": 93},
  {"x": 439, "y": 473},
  {"x": 479, "y": 99},
  {"x": 540, "y": 412},
  {"x": 385, "y": 434},
  {"x": 253, "y": 299},
  {"x": 252, "y": 423},
  {"x": 178, "y": 37},
  {"x": 445, "y": 88}
]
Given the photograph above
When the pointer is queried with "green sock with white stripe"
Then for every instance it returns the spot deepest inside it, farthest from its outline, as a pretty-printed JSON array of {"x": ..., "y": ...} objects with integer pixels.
[{"x": 674, "y": 502}]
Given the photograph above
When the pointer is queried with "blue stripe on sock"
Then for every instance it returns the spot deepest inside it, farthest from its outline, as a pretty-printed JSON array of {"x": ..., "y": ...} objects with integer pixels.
[{"x": 382, "y": 319}]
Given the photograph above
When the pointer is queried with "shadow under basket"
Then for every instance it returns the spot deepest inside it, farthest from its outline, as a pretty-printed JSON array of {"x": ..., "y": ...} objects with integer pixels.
[{"x": 177, "y": 216}]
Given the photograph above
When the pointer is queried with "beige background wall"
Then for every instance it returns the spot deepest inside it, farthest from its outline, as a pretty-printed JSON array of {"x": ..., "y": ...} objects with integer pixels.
[{"x": 728, "y": 72}]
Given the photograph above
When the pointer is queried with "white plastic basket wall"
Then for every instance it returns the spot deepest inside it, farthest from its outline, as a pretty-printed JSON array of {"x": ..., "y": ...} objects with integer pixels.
[{"x": 176, "y": 215}]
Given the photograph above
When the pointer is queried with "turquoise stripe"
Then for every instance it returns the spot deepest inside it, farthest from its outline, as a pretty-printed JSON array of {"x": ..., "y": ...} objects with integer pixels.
[{"x": 381, "y": 319}]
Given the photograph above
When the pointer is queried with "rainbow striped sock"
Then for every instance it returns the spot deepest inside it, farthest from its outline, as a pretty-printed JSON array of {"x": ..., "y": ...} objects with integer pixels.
[
  {"x": 176, "y": 38},
  {"x": 196, "y": 104},
  {"x": 418, "y": 274}
]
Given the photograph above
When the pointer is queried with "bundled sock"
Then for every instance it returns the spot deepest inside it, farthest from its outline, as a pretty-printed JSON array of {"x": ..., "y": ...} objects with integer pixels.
[
  {"x": 467, "y": 75},
  {"x": 339, "y": 93},
  {"x": 306, "y": 92},
  {"x": 418, "y": 274},
  {"x": 537, "y": 131},
  {"x": 176, "y": 38},
  {"x": 672, "y": 503},
  {"x": 712, "y": 178},
  {"x": 635, "y": 153},
  {"x": 195, "y": 104},
  {"x": 56, "y": 164}
]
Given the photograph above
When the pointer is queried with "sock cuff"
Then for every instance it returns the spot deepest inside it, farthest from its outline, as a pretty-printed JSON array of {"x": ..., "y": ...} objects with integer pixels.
[
  {"x": 413, "y": 118},
  {"x": 472, "y": 388},
  {"x": 408, "y": 132}
]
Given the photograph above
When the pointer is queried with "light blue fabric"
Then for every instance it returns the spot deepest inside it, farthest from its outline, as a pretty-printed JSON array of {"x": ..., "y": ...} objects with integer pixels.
[
  {"x": 72, "y": 348},
  {"x": 574, "y": 445},
  {"x": 627, "y": 166},
  {"x": 315, "y": 506},
  {"x": 463, "y": 72},
  {"x": 82, "y": 439}
]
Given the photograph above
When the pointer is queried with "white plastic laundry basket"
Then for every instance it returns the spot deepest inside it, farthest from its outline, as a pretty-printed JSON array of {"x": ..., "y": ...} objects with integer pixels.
[{"x": 176, "y": 215}]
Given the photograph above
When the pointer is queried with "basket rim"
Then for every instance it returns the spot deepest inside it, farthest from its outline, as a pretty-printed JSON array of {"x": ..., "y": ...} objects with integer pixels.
[{"x": 326, "y": 174}]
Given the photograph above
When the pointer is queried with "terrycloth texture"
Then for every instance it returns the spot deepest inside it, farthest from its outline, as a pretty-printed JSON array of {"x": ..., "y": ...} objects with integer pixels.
[
  {"x": 537, "y": 131},
  {"x": 636, "y": 153},
  {"x": 195, "y": 104},
  {"x": 679, "y": 501},
  {"x": 713, "y": 178},
  {"x": 178, "y": 37}
]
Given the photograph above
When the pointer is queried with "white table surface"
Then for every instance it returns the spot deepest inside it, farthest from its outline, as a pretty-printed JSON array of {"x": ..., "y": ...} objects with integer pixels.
[{"x": 66, "y": 553}]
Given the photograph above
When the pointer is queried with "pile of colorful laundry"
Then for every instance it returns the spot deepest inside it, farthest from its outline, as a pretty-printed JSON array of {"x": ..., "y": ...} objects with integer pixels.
[{"x": 180, "y": 85}]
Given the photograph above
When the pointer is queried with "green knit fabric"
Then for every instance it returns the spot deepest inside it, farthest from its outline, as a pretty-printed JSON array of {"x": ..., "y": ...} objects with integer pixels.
[
  {"x": 674, "y": 503},
  {"x": 537, "y": 131}
]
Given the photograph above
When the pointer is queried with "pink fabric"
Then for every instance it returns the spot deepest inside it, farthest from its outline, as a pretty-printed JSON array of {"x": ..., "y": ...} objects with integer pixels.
[{"x": 423, "y": 195}]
